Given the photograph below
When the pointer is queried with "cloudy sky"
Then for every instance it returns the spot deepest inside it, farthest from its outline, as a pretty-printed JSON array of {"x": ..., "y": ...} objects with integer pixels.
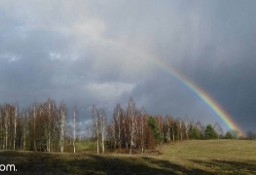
[{"x": 102, "y": 52}]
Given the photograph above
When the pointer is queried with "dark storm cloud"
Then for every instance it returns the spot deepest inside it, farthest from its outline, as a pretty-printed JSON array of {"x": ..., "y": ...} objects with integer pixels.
[
  {"x": 89, "y": 52},
  {"x": 225, "y": 67}
]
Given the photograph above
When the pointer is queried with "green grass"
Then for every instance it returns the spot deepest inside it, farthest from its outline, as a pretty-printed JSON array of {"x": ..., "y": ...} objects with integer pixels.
[
  {"x": 82, "y": 147},
  {"x": 213, "y": 156},
  {"x": 189, "y": 157}
]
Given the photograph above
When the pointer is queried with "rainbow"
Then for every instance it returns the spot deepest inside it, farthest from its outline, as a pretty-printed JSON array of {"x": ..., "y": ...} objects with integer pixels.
[
  {"x": 210, "y": 103},
  {"x": 213, "y": 105}
]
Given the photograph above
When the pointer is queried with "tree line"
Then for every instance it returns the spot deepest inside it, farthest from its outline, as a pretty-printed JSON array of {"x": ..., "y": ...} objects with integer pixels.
[
  {"x": 133, "y": 129},
  {"x": 42, "y": 127},
  {"x": 48, "y": 127}
]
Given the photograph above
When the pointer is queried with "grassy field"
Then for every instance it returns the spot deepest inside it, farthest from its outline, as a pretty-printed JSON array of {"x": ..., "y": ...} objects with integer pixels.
[{"x": 188, "y": 157}]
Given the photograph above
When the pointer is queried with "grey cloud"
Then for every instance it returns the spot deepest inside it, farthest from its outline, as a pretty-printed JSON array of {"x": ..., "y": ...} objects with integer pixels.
[{"x": 89, "y": 52}]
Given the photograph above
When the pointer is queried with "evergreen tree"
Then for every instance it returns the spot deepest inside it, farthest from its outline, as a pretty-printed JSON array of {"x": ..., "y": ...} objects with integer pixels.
[
  {"x": 152, "y": 123},
  {"x": 194, "y": 133},
  {"x": 210, "y": 133},
  {"x": 229, "y": 135}
]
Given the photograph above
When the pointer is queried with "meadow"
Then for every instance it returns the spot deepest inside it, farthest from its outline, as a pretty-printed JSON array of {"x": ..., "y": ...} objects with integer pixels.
[{"x": 188, "y": 157}]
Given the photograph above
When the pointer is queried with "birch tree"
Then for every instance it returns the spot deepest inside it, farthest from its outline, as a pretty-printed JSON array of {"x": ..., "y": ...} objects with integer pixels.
[
  {"x": 117, "y": 125},
  {"x": 15, "y": 126},
  {"x": 6, "y": 121},
  {"x": 96, "y": 128},
  {"x": 131, "y": 115},
  {"x": 1, "y": 129},
  {"x": 74, "y": 128},
  {"x": 102, "y": 127},
  {"x": 49, "y": 126},
  {"x": 142, "y": 128},
  {"x": 34, "y": 127},
  {"x": 25, "y": 128},
  {"x": 217, "y": 127},
  {"x": 167, "y": 129},
  {"x": 186, "y": 125},
  {"x": 63, "y": 113},
  {"x": 180, "y": 124}
]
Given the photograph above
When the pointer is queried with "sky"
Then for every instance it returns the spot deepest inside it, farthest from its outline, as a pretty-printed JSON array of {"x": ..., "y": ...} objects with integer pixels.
[{"x": 89, "y": 52}]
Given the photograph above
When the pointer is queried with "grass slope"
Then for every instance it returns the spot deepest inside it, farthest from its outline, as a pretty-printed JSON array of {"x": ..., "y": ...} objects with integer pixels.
[{"x": 188, "y": 157}]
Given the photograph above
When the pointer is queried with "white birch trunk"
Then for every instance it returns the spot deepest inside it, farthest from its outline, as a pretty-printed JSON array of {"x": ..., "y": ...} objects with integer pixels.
[
  {"x": 74, "y": 130},
  {"x": 102, "y": 123},
  {"x": 142, "y": 134},
  {"x": 34, "y": 127},
  {"x": 49, "y": 128},
  {"x": 1, "y": 127},
  {"x": 186, "y": 123},
  {"x": 131, "y": 114},
  {"x": 15, "y": 127},
  {"x": 24, "y": 132},
  {"x": 97, "y": 133},
  {"x": 6, "y": 127},
  {"x": 62, "y": 127},
  {"x": 180, "y": 126}
]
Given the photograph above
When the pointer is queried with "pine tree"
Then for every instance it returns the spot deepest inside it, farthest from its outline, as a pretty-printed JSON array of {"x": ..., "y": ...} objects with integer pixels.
[
  {"x": 210, "y": 133},
  {"x": 155, "y": 130}
]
